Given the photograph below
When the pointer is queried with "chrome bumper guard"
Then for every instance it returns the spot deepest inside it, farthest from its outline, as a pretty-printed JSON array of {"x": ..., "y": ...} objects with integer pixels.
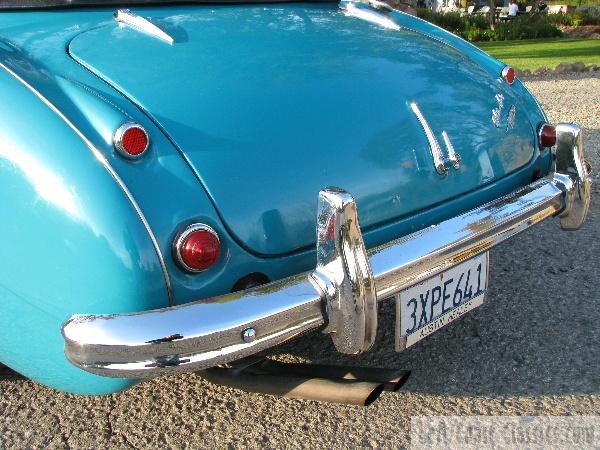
[{"x": 341, "y": 293}]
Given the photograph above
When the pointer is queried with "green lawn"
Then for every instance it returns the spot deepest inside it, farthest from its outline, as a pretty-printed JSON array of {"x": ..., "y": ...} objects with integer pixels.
[{"x": 533, "y": 54}]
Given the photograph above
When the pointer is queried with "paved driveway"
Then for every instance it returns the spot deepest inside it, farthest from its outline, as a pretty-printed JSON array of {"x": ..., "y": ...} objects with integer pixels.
[{"x": 533, "y": 348}]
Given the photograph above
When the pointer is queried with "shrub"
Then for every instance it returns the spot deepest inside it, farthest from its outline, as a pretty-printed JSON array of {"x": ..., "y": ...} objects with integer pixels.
[
  {"x": 589, "y": 15},
  {"x": 476, "y": 27},
  {"x": 449, "y": 21},
  {"x": 523, "y": 27},
  {"x": 584, "y": 15},
  {"x": 453, "y": 21},
  {"x": 589, "y": 10},
  {"x": 478, "y": 34}
]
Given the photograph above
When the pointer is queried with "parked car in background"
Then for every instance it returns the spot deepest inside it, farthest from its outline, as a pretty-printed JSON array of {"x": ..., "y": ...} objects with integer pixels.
[{"x": 182, "y": 184}]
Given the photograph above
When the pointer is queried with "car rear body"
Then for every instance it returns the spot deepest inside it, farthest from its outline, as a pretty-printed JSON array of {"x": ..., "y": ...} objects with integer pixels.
[{"x": 251, "y": 111}]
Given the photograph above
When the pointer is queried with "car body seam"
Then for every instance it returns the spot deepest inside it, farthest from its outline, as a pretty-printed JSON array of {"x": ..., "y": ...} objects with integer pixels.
[{"x": 100, "y": 97}]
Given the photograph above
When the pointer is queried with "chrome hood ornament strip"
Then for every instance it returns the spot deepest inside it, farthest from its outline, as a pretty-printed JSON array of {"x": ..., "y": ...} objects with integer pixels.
[
  {"x": 372, "y": 11},
  {"x": 441, "y": 163},
  {"x": 434, "y": 146},
  {"x": 497, "y": 112},
  {"x": 126, "y": 17},
  {"x": 453, "y": 157}
]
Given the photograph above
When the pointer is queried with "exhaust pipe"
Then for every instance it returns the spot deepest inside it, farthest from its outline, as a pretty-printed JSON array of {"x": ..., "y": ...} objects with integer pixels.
[
  {"x": 392, "y": 379},
  {"x": 334, "y": 384}
]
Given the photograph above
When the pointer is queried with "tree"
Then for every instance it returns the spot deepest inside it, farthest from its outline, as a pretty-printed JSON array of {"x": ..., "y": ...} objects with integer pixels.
[{"x": 492, "y": 13}]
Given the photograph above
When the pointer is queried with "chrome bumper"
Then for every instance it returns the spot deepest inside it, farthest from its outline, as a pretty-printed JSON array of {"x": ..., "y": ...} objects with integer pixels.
[{"x": 341, "y": 293}]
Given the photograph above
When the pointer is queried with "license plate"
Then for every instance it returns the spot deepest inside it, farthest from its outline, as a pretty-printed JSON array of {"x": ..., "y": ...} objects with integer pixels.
[{"x": 426, "y": 307}]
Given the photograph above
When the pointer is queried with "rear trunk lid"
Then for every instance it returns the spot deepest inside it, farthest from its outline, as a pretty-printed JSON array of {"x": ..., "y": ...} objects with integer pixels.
[{"x": 270, "y": 104}]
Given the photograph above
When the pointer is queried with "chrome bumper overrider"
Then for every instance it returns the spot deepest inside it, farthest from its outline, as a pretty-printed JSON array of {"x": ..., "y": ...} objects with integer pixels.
[{"x": 341, "y": 293}]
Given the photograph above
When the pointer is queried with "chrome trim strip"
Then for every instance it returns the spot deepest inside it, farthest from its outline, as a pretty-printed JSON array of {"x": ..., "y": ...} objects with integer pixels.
[
  {"x": 374, "y": 4},
  {"x": 211, "y": 331},
  {"x": 539, "y": 136},
  {"x": 102, "y": 160},
  {"x": 434, "y": 146},
  {"x": 511, "y": 118},
  {"x": 379, "y": 5},
  {"x": 377, "y": 15},
  {"x": 126, "y": 17}
]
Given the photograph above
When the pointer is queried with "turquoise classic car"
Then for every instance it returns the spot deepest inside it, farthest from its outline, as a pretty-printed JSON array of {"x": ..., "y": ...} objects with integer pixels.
[{"x": 181, "y": 185}]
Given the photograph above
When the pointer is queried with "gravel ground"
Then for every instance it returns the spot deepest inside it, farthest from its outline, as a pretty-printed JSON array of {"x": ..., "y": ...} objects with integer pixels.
[{"x": 531, "y": 349}]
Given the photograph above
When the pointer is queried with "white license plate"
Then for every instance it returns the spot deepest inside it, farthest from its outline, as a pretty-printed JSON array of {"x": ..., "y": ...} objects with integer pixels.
[{"x": 426, "y": 307}]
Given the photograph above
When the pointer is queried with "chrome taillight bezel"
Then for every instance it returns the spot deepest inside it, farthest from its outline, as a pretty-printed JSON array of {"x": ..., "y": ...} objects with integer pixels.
[
  {"x": 118, "y": 140},
  {"x": 180, "y": 240}
]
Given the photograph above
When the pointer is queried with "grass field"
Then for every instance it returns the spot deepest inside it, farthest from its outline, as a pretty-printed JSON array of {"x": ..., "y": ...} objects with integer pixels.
[{"x": 532, "y": 54}]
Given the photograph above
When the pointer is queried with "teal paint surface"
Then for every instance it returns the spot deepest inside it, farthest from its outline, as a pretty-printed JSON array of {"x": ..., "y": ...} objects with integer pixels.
[{"x": 288, "y": 99}]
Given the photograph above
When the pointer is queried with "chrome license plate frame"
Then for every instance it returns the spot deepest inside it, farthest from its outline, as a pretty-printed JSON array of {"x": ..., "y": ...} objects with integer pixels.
[{"x": 420, "y": 312}]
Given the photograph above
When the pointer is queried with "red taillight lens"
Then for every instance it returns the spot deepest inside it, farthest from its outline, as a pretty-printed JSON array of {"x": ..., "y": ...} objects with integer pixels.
[
  {"x": 331, "y": 228},
  {"x": 197, "y": 248},
  {"x": 508, "y": 73},
  {"x": 547, "y": 135},
  {"x": 131, "y": 140},
  {"x": 135, "y": 141}
]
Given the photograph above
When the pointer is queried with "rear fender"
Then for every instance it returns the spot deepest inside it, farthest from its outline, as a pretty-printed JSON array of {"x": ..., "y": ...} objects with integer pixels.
[{"x": 72, "y": 241}]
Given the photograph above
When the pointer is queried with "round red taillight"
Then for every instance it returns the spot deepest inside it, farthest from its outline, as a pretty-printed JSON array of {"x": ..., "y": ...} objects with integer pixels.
[
  {"x": 547, "y": 135},
  {"x": 131, "y": 140},
  {"x": 508, "y": 73},
  {"x": 197, "y": 248}
]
